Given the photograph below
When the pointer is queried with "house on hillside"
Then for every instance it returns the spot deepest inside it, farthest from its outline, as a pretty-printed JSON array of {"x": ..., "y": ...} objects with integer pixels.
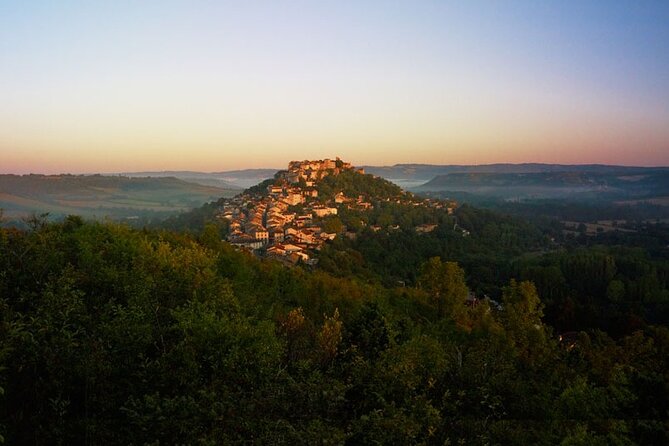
[
  {"x": 293, "y": 199},
  {"x": 277, "y": 235},
  {"x": 297, "y": 256},
  {"x": 322, "y": 211},
  {"x": 260, "y": 233},
  {"x": 425, "y": 228},
  {"x": 340, "y": 198},
  {"x": 303, "y": 220},
  {"x": 246, "y": 241}
]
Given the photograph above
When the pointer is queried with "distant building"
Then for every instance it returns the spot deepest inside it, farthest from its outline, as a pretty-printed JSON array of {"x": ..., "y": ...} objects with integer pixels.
[
  {"x": 246, "y": 241},
  {"x": 422, "y": 229},
  {"x": 260, "y": 234},
  {"x": 293, "y": 199},
  {"x": 323, "y": 211},
  {"x": 303, "y": 220}
]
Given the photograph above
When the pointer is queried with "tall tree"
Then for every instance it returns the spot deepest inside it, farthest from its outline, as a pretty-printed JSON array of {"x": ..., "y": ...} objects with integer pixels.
[{"x": 445, "y": 284}]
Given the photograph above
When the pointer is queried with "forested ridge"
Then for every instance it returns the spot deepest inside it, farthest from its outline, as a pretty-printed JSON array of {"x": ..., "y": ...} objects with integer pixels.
[{"x": 112, "y": 335}]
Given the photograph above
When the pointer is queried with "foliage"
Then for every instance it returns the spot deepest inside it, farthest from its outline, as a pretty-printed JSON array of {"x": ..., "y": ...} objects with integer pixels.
[
  {"x": 110, "y": 335},
  {"x": 445, "y": 285},
  {"x": 352, "y": 184}
]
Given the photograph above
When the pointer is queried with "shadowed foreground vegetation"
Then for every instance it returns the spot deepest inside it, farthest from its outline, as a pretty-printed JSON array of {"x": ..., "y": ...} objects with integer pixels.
[{"x": 110, "y": 335}]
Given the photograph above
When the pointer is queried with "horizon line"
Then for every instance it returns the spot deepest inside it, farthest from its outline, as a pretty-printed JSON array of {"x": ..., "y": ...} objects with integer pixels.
[{"x": 114, "y": 173}]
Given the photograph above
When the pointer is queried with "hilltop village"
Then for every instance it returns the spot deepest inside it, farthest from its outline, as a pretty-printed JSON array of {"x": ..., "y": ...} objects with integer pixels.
[{"x": 283, "y": 218}]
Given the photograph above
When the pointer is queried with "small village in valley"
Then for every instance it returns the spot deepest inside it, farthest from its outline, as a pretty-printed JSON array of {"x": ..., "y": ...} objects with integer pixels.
[{"x": 284, "y": 218}]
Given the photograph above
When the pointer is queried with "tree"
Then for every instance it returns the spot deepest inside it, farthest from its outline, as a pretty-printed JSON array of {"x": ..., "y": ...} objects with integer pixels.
[
  {"x": 615, "y": 292},
  {"x": 445, "y": 284},
  {"x": 368, "y": 333},
  {"x": 521, "y": 316},
  {"x": 333, "y": 225},
  {"x": 330, "y": 336}
]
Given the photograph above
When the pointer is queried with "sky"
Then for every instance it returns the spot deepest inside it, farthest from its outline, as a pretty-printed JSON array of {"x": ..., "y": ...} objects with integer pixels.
[{"x": 116, "y": 86}]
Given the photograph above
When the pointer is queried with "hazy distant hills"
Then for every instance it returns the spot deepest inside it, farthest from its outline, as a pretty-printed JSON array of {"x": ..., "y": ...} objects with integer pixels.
[
  {"x": 406, "y": 175},
  {"x": 232, "y": 179},
  {"x": 247, "y": 177},
  {"x": 102, "y": 196},
  {"x": 427, "y": 172},
  {"x": 161, "y": 193},
  {"x": 202, "y": 178},
  {"x": 604, "y": 182}
]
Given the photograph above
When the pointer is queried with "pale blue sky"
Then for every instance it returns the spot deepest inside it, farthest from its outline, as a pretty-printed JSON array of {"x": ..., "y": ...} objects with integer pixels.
[{"x": 117, "y": 86}]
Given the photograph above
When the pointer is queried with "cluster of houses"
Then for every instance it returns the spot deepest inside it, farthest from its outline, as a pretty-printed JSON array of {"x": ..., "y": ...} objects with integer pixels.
[
  {"x": 285, "y": 222},
  {"x": 312, "y": 171}
]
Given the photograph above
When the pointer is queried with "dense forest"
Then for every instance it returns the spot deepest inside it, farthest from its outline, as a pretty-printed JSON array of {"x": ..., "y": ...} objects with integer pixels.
[
  {"x": 610, "y": 281},
  {"x": 113, "y": 335}
]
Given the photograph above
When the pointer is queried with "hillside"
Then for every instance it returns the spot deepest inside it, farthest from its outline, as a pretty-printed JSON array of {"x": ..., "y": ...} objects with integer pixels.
[
  {"x": 612, "y": 184},
  {"x": 202, "y": 178},
  {"x": 354, "y": 184},
  {"x": 101, "y": 196},
  {"x": 246, "y": 177},
  {"x": 292, "y": 216},
  {"x": 230, "y": 179},
  {"x": 413, "y": 176},
  {"x": 429, "y": 171}
]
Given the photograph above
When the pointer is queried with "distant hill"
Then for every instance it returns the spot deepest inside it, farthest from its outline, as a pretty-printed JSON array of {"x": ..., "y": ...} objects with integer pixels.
[
  {"x": 602, "y": 182},
  {"x": 413, "y": 175},
  {"x": 231, "y": 179},
  {"x": 407, "y": 176},
  {"x": 203, "y": 178},
  {"x": 308, "y": 185},
  {"x": 102, "y": 196},
  {"x": 246, "y": 178}
]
